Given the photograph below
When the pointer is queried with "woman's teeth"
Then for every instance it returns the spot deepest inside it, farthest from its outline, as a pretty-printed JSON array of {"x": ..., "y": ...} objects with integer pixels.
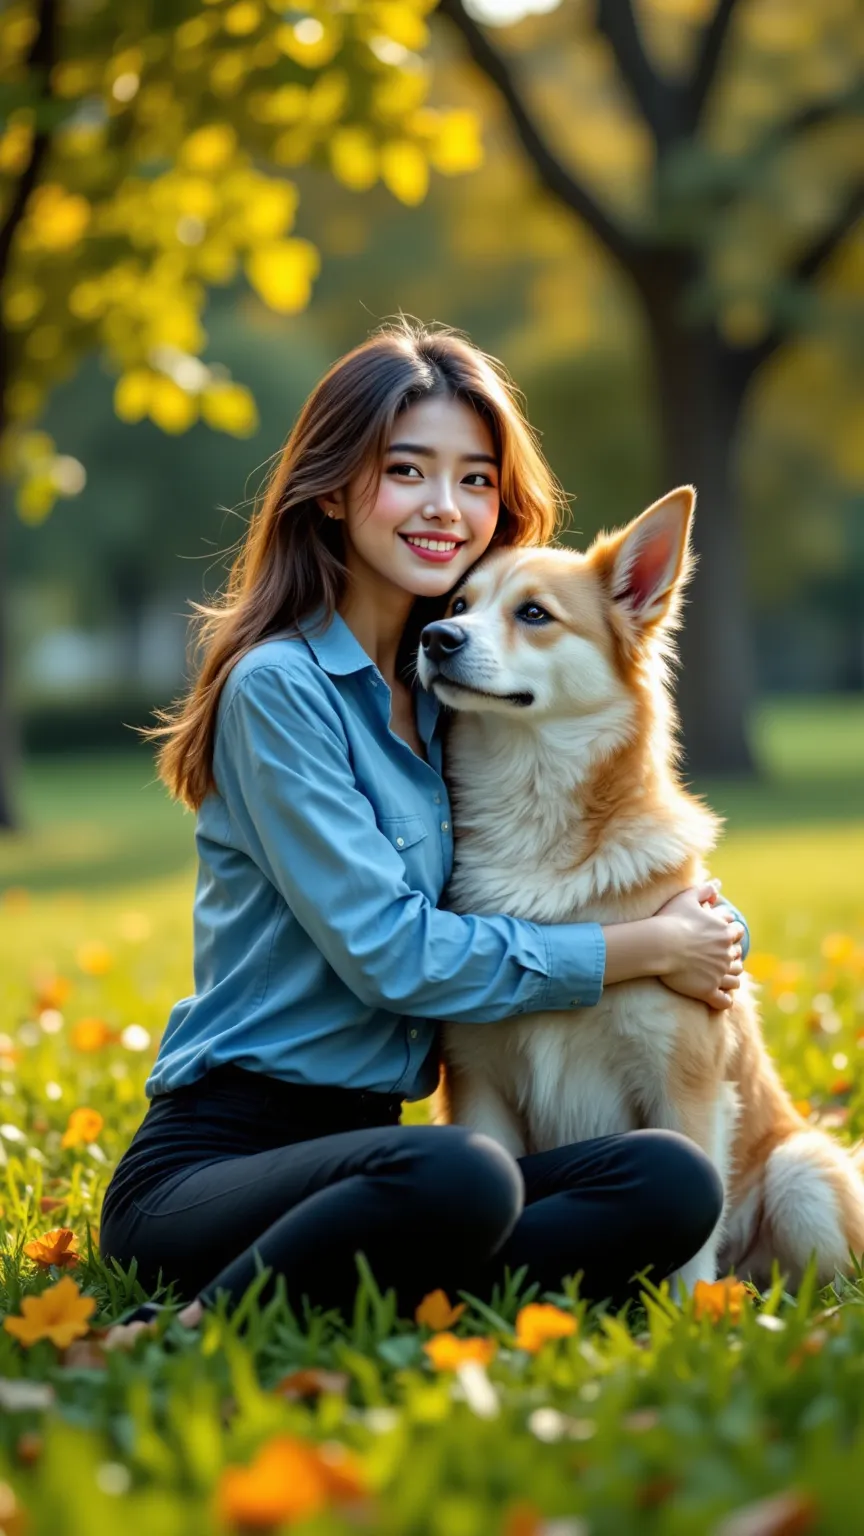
[{"x": 443, "y": 544}]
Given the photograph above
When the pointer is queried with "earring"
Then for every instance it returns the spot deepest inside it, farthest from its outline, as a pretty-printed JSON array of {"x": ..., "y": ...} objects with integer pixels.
[{"x": 331, "y": 514}]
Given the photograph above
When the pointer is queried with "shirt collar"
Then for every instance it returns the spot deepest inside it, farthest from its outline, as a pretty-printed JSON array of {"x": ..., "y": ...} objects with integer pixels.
[{"x": 335, "y": 648}]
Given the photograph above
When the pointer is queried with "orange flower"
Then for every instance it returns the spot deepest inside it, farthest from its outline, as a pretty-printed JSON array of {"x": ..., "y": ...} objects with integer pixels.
[
  {"x": 540, "y": 1322},
  {"x": 59, "y": 1314},
  {"x": 436, "y": 1312},
  {"x": 94, "y": 959},
  {"x": 522, "y": 1519},
  {"x": 84, "y": 1125},
  {"x": 841, "y": 1085},
  {"x": 803, "y": 1107},
  {"x": 91, "y": 1034},
  {"x": 52, "y": 992},
  {"x": 312, "y": 1382},
  {"x": 447, "y": 1352},
  {"x": 55, "y": 1247},
  {"x": 287, "y": 1480},
  {"x": 47, "y": 1204},
  {"x": 719, "y": 1298}
]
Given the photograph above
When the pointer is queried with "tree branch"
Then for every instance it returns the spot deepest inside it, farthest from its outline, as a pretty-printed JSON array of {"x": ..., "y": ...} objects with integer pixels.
[
  {"x": 40, "y": 60},
  {"x": 657, "y": 101},
  {"x": 806, "y": 270},
  {"x": 707, "y": 64},
  {"x": 554, "y": 176}
]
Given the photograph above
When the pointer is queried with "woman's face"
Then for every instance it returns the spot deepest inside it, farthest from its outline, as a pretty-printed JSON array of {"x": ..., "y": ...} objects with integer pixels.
[{"x": 435, "y": 508}]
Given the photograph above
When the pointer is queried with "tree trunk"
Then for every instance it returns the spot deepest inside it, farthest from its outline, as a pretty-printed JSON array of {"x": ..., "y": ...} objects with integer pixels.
[
  {"x": 9, "y": 745},
  {"x": 699, "y": 401}
]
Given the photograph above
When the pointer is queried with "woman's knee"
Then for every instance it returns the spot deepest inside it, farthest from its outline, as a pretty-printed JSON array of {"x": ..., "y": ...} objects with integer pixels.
[
  {"x": 681, "y": 1192},
  {"x": 470, "y": 1182}
]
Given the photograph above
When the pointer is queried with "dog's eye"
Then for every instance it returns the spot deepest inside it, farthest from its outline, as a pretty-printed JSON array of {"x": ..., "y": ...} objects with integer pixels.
[
  {"x": 459, "y": 606},
  {"x": 532, "y": 613}
]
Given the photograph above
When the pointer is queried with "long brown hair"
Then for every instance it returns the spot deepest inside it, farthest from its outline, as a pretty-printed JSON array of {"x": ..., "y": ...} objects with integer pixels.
[{"x": 291, "y": 560}]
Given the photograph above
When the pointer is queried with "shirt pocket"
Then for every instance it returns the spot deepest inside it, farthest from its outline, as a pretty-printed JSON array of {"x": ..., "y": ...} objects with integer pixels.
[{"x": 408, "y": 834}]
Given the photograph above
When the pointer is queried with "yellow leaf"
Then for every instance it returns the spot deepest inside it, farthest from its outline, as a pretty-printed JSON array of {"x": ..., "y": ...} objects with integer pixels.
[
  {"x": 132, "y": 394},
  {"x": 402, "y": 23},
  {"x": 405, "y": 170},
  {"x": 56, "y": 219},
  {"x": 269, "y": 211},
  {"x": 171, "y": 408},
  {"x": 311, "y": 41},
  {"x": 229, "y": 408},
  {"x": 210, "y": 148},
  {"x": 35, "y": 497},
  {"x": 354, "y": 158},
  {"x": 458, "y": 147},
  {"x": 241, "y": 19},
  {"x": 282, "y": 273},
  {"x": 328, "y": 97}
]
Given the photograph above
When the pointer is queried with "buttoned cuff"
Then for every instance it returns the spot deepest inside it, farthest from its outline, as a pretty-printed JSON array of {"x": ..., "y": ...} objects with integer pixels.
[{"x": 577, "y": 964}]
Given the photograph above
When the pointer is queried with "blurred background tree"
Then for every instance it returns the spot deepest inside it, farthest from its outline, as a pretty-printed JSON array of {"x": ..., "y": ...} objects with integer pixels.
[
  {"x": 662, "y": 244},
  {"x": 713, "y": 148}
]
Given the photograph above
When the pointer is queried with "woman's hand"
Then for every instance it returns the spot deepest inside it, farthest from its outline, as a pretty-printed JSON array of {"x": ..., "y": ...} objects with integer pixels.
[{"x": 702, "y": 947}]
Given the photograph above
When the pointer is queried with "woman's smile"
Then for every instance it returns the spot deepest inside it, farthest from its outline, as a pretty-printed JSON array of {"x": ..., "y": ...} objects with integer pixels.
[{"x": 441, "y": 548}]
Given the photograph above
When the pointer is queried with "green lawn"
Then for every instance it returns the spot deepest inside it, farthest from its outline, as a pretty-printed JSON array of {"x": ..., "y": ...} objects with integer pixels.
[{"x": 665, "y": 1425}]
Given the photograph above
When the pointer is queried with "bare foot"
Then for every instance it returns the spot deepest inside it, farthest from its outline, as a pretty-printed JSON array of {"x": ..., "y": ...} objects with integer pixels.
[{"x": 123, "y": 1335}]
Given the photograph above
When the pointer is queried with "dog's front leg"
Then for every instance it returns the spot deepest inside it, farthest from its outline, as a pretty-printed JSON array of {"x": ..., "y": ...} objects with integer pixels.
[
  {"x": 476, "y": 1103},
  {"x": 712, "y": 1126}
]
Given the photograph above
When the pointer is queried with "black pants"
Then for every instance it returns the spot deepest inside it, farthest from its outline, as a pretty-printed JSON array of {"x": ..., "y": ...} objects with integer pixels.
[{"x": 219, "y": 1171}]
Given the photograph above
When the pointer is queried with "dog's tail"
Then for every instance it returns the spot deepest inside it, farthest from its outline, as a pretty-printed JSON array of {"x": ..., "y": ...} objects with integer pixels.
[{"x": 814, "y": 1199}]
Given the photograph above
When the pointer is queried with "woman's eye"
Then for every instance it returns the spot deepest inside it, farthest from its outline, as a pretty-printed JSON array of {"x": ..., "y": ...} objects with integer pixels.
[
  {"x": 532, "y": 613},
  {"x": 478, "y": 478},
  {"x": 405, "y": 470}
]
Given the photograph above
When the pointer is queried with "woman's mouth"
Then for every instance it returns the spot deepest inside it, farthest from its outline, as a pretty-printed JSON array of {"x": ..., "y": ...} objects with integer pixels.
[{"x": 439, "y": 550}]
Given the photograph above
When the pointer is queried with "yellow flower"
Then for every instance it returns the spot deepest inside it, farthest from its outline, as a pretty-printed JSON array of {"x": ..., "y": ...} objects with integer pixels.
[
  {"x": 838, "y": 948},
  {"x": 447, "y": 1352},
  {"x": 94, "y": 959},
  {"x": 54, "y": 1247},
  {"x": 435, "y": 1311},
  {"x": 52, "y": 992},
  {"x": 540, "y": 1322},
  {"x": 719, "y": 1298},
  {"x": 84, "y": 1125},
  {"x": 59, "y": 1314},
  {"x": 287, "y": 1480}
]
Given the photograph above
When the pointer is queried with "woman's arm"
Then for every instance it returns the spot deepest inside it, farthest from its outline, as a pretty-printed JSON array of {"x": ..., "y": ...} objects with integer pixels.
[{"x": 283, "y": 766}]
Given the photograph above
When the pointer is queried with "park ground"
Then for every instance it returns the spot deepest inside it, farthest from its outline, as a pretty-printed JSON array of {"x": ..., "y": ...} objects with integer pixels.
[{"x": 737, "y": 1416}]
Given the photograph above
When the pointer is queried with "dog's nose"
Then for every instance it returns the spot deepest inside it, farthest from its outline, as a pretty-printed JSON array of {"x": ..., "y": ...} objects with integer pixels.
[{"x": 442, "y": 639}]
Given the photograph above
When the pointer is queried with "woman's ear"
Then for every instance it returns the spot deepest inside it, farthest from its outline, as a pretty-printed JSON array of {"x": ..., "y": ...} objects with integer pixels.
[{"x": 333, "y": 504}]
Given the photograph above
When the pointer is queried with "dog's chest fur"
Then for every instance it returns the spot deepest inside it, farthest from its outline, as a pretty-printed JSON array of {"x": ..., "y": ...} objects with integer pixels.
[{"x": 524, "y": 848}]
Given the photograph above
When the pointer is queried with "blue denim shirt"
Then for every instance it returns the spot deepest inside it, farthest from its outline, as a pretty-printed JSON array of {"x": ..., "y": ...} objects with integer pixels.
[{"x": 320, "y": 955}]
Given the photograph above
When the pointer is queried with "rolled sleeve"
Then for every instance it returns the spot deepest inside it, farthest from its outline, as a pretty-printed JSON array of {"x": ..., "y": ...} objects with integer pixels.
[
  {"x": 577, "y": 964},
  {"x": 282, "y": 762}
]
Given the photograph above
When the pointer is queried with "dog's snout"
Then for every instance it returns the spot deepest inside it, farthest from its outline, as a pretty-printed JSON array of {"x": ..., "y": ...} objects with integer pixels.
[{"x": 442, "y": 639}]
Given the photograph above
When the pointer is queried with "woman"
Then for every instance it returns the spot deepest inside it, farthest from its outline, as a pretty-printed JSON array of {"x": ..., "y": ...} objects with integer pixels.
[{"x": 313, "y": 762}]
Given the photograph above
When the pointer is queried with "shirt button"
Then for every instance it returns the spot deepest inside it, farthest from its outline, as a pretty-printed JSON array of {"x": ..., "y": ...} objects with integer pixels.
[
  {"x": 413, "y": 1034},
  {"x": 400, "y": 842},
  {"x": 437, "y": 800},
  {"x": 445, "y": 826}
]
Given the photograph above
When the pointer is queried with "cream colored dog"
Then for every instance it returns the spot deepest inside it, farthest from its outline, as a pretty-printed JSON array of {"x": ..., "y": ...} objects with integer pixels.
[{"x": 568, "y": 808}]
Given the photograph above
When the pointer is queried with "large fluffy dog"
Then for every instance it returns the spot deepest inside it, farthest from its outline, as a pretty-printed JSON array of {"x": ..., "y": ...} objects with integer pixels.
[{"x": 568, "y": 808}]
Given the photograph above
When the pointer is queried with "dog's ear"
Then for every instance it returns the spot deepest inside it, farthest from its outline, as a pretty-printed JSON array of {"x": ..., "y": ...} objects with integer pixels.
[{"x": 647, "y": 563}]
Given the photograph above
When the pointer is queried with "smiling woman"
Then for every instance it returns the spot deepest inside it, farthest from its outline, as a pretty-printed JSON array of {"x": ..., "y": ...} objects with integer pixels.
[{"x": 314, "y": 759}]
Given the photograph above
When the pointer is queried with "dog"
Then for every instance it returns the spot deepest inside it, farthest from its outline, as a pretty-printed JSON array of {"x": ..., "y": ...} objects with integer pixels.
[{"x": 562, "y": 760}]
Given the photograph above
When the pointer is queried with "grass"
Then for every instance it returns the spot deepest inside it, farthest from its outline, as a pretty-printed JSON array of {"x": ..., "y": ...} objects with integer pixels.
[{"x": 665, "y": 1422}]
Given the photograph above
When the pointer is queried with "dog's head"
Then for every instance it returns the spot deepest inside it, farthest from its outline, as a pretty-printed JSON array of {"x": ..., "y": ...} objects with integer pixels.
[{"x": 552, "y": 632}]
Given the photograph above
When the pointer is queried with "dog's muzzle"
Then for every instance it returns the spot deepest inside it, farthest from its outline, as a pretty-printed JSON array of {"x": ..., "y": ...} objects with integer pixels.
[{"x": 443, "y": 639}]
